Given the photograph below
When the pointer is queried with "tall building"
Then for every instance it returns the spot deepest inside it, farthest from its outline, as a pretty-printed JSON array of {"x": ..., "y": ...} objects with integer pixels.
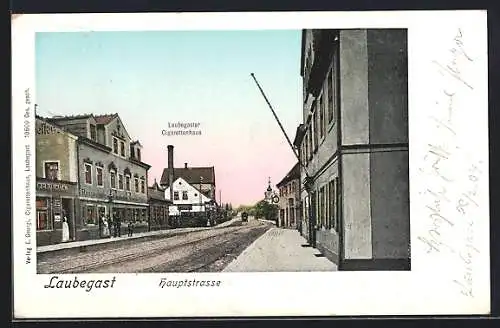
[
  {"x": 107, "y": 167},
  {"x": 354, "y": 146}
]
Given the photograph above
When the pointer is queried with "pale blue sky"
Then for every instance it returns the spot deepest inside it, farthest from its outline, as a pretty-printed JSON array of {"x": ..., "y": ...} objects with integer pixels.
[{"x": 152, "y": 78}]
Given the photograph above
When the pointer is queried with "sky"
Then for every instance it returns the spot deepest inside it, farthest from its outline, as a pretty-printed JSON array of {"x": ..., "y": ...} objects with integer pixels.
[{"x": 151, "y": 78}]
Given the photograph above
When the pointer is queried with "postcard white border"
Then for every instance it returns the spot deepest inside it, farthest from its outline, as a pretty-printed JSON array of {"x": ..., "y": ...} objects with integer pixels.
[{"x": 428, "y": 289}]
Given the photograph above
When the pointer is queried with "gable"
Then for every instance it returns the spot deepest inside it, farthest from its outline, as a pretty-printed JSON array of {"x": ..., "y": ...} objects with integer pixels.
[{"x": 182, "y": 185}]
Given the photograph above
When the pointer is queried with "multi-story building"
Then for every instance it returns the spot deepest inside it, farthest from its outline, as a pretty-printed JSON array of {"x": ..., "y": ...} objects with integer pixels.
[
  {"x": 112, "y": 177},
  {"x": 158, "y": 208},
  {"x": 56, "y": 182},
  {"x": 354, "y": 146},
  {"x": 289, "y": 198}
]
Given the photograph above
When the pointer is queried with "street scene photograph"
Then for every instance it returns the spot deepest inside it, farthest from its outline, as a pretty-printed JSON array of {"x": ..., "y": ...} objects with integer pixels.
[{"x": 222, "y": 151}]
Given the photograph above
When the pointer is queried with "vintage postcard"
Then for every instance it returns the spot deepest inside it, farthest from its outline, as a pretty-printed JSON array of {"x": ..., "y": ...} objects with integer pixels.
[{"x": 250, "y": 164}]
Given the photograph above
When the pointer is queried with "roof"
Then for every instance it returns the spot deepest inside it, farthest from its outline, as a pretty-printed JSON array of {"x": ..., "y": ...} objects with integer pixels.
[
  {"x": 105, "y": 119},
  {"x": 190, "y": 174},
  {"x": 69, "y": 117},
  {"x": 293, "y": 174}
]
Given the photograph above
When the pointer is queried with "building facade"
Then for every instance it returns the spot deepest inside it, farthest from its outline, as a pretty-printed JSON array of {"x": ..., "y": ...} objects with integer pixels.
[
  {"x": 158, "y": 208},
  {"x": 187, "y": 198},
  {"x": 354, "y": 147},
  {"x": 289, "y": 199},
  {"x": 56, "y": 182},
  {"x": 112, "y": 178}
]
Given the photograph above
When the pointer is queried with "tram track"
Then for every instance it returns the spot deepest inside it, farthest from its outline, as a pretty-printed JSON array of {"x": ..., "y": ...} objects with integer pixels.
[{"x": 149, "y": 251}]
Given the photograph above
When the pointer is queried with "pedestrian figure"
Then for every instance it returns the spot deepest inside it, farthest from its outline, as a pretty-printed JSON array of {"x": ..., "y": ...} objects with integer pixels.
[
  {"x": 111, "y": 227},
  {"x": 118, "y": 227},
  {"x": 105, "y": 227},
  {"x": 130, "y": 228},
  {"x": 65, "y": 230}
]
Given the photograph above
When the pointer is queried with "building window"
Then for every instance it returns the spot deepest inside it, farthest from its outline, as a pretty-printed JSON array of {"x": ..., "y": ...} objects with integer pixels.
[
  {"x": 51, "y": 170},
  {"x": 127, "y": 183},
  {"x": 138, "y": 154},
  {"x": 122, "y": 148},
  {"x": 93, "y": 132},
  {"x": 136, "y": 183},
  {"x": 184, "y": 195},
  {"x": 143, "y": 188},
  {"x": 88, "y": 173},
  {"x": 115, "y": 146},
  {"x": 112, "y": 179},
  {"x": 132, "y": 151},
  {"x": 99, "y": 178},
  {"x": 321, "y": 116},
  {"x": 315, "y": 127},
  {"x": 120, "y": 181},
  {"x": 176, "y": 195},
  {"x": 333, "y": 215},
  {"x": 329, "y": 88}
]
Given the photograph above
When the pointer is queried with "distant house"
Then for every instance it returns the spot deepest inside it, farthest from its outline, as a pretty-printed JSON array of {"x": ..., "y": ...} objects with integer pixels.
[
  {"x": 289, "y": 198},
  {"x": 187, "y": 198},
  {"x": 201, "y": 178}
]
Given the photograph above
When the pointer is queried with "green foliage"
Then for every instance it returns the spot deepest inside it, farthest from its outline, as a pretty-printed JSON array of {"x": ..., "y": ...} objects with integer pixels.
[{"x": 264, "y": 210}]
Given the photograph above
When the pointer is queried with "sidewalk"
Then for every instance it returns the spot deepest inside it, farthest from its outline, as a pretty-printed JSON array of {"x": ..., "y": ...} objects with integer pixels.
[
  {"x": 280, "y": 250},
  {"x": 92, "y": 242}
]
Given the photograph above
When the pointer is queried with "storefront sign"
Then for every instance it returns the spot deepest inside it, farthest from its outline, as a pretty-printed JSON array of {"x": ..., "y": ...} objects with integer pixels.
[
  {"x": 103, "y": 195},
  {"x": 53, "y": 186}
]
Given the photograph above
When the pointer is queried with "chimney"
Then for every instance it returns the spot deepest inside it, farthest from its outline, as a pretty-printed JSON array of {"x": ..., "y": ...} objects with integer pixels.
[
  {"x": 185, "y": 165},
  {"x": 170, "y": 149}
]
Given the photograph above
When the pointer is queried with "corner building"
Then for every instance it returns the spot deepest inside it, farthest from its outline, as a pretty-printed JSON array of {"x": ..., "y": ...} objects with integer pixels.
[
  {"x": 354, "y": 145},
  {"x": 112, "y": 178}
]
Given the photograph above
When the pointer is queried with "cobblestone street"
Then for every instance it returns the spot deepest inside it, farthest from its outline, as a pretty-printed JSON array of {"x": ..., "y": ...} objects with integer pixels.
[{"x": 208, "y": 250}]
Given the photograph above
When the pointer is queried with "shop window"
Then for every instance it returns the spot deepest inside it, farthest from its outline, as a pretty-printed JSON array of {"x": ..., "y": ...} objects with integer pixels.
[
  {"x": 176, "y": 195},
  {"x": 112, "y": 179},
  {"x": 88, "y": 173},
  {"x": 144, "y": 216},
  {"x": 43, "y": 221},
  {"x": 90, "y": 215},
  {"x": 127, "y": 183},
  {"x": 99, "y": 176},
  {"x": 184, "y": 195},
  {"x": 120, "y": 181},
  {"x": 136, "y": 182},
  {"x": 51, "y": 170}
]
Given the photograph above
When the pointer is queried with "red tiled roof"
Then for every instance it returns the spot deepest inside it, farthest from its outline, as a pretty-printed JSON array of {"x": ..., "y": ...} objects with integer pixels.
[{"x": 105, "y": 119}]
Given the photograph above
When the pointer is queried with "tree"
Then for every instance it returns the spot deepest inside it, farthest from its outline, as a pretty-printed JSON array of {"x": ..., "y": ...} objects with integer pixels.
[{"x": 265, "y": 210}]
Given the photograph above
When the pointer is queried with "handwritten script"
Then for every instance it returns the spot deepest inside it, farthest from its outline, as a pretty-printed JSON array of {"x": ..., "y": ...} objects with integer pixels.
[{"x": 452, "y": 178}]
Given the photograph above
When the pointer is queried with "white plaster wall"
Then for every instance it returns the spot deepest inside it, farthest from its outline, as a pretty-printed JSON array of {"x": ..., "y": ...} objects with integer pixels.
[
  {"x": 356, "y": 206},
  {"x": 354, "y": 87}
]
